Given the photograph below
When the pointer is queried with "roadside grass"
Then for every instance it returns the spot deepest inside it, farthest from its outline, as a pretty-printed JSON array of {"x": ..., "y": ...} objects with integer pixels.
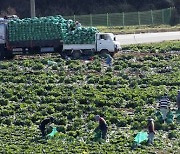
[
  {"x": 159, "y": 47},
  {"x": 138, "y": 29}
]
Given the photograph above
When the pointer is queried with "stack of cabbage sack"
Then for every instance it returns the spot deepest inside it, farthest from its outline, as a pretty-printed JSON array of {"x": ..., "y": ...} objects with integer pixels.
[
  {"x": 81, "y": 35},
  {"x": 49, "y": 28}
]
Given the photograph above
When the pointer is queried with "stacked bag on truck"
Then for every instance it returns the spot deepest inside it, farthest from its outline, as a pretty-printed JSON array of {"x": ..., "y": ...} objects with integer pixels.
[
  {"x": 81, "y": 35},
  {"x": 49, "y": 28}
]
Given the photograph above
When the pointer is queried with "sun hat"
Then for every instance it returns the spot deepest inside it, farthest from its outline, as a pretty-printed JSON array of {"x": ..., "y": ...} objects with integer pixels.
[
  {"x": 150, "y": 119},
  {"x": 97, "y": 117}
]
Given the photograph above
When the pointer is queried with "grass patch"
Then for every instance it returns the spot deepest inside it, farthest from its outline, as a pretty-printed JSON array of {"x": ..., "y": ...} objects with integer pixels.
[
  {"x": 162, "y": 47},
  {"x": 138, "y": 29}
]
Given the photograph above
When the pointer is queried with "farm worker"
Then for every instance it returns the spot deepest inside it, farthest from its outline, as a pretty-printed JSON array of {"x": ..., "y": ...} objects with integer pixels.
[
  {"x": 163, "y": 105},
  {"x": 109, "y": 60},
  {"x": 44, "y": 123},
  {"x": 170, "y": 117},
  {"x": 78, "y": 24},
  {"x": 151, "y": 130},
  {"x": 102, "y": 126},
  {"x": 178, "y": 100},
  {"x": 71, "y": 25}
]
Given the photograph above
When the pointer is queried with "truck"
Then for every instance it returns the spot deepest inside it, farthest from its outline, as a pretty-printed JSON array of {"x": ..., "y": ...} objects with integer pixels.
[{"x": 104, "y": 43}]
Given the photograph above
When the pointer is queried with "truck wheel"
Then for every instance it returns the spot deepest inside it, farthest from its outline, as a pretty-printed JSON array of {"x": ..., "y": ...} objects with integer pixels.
[
  {"x": 1, "y": 52},
  {"x": 112, "y": 54},
  {"x": 1, "y": 55},
  {"x": 59, "y": 49},
  {"x": 9, "y": 55},
  {"x": 104, "y": 52},
  {"x": 76, "y": 54}
]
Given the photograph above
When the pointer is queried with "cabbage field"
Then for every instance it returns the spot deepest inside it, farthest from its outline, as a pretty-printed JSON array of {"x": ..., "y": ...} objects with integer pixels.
[{"x": 74, "y": 91}]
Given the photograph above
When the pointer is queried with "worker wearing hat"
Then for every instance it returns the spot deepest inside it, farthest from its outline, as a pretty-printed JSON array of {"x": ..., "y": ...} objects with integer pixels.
[
  {"x": 78, "y": 24},
  {"x": 109, "y": 60},
  {"x": 151, "y": 130},
  {"x": 102, "y": 126},
  {"x": 178, "y": 100}
]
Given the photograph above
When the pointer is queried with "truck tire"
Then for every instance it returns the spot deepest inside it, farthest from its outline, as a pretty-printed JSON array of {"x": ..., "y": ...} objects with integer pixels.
[
  {"x": 59, "y": 49},
  {"x": 1, "y": 52},
  {"x": 9, "y": 55},
  {"x": 104, "y": 52},
  {"x": 112, "y": 54},
  {"x": 76, "y": 54}
]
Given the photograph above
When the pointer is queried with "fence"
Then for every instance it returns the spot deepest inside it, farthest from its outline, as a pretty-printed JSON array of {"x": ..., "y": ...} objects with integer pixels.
[{"x": 153, "y": 17}]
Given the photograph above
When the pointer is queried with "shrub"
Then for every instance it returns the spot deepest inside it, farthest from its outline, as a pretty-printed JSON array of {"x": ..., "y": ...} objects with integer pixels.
[
  {"x": 72, "y": 133},
  {"x": 135, "y": 125},
  {"x": 6, "y": 121},
  {"x": 117, "y": 67},
  {"x": 122, "y": 123},
  {"x": 131, "y": 104},
  {"x": 165, "y": 127},
  {"x": 38, "y": 66},
  {"x": 61, "y": 121},
  {"x": 61, "y": 129},
  {"x": 55, "y": 67},
  {"x": 3, "y": 101},
  {"x": 19, "y": 122},
  {"x": 172, "y": 134},
  {"x": 4, "y": 112},
  {"x": 157, "y": 125}
]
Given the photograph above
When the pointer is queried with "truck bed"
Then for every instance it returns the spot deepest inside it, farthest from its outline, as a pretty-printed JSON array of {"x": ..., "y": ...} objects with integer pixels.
[
  {"x": 36, "y": 43},
  {"x": 78, "y": 46}
]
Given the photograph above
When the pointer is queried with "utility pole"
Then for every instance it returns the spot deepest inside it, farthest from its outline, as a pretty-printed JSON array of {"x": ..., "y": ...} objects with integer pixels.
[{"x": 33, "y": 10}]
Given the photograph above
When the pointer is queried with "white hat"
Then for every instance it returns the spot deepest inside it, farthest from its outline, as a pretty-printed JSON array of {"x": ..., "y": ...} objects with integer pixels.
[
  {"x": 97, "y": 117},
  {"x": 150, "y": 119}
]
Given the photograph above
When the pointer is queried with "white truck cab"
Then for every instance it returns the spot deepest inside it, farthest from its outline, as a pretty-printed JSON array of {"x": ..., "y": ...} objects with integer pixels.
[
  {"x": 107, "y": 42},
  {"x": 2, "y": 31},
  {"x": 2, "y": 36}
]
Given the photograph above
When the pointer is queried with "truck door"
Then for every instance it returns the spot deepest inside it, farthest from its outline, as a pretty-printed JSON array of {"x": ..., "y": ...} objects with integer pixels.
[{"x": 104, "y": 42}]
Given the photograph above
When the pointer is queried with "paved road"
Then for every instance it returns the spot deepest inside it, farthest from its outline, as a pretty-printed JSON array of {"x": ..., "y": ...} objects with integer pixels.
[{"x": 147, "y": 37}]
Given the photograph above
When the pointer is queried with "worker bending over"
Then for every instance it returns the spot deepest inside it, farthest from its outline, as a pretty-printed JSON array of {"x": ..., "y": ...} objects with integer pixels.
[
  {"x": 43, "y": 124},
  {"x": 102, "y": 126}
]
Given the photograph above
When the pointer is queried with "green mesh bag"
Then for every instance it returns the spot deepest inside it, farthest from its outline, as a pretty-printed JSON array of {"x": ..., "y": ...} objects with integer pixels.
[{"x": 50, "y": 28}]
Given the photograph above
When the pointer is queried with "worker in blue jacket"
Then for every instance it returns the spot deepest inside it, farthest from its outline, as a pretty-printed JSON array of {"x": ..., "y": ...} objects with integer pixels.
[{"x": 109, "y": 60}]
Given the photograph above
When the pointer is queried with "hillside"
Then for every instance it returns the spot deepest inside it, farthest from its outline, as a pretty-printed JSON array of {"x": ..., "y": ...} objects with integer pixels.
[{"x": 71, "y": 7}]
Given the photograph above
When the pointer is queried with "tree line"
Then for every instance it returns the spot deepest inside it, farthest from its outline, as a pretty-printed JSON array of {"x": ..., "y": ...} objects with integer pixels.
[{"x": 79, "y": 7}]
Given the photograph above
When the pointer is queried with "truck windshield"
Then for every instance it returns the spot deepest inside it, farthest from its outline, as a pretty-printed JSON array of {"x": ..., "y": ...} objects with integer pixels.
[
  {"x": 104, "y": 37},
  {"x": 112, "y": 37},
  {"x": 107, "y": 37}
]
